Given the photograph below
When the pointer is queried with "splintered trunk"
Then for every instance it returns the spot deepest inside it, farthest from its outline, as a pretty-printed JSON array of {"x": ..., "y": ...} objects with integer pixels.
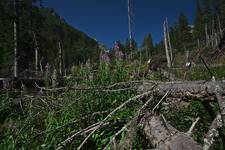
[
  {"x": 15, "y": 68},
  {"x": 166, "y": 46}
]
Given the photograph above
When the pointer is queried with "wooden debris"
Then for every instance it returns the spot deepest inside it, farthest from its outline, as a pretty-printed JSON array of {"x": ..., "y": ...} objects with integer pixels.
[
  {"x": 213, "y": 132},
  {"x": 163, "y": 136},
  {"x": 184, "y": 89}
]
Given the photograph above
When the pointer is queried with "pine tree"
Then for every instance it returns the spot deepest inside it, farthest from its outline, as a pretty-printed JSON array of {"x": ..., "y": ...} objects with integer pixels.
[
  {"x": 127, "y": 46},
  {"x": 45, "y": 23},
  {"x": 147, "y": 45},
  {"x": 207, "y": 10},
  {"x": 184, "y": 33},
  {"x": 221, "y": 13},
  {"x": 199, "y": 24}
]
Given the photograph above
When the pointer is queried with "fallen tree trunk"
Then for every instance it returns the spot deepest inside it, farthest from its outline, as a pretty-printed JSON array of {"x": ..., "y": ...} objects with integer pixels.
[
  {"x": 163, "y": 136},
  {"x": 213, "y": 132},
  {"x": 184, "y": 89}
]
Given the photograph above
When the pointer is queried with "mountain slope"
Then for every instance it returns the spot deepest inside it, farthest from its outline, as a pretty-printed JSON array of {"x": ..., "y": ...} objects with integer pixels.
[{"x": 43, "y": 28}]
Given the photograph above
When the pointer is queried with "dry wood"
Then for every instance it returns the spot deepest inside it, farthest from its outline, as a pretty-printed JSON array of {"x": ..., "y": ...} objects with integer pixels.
[
  {"x": 82, "y": 88},
  {"x": 166, "y": 46},
  {"x": 112, "y": 113},
  {"x": 218, "y": 92},
  {"x": 192, "y": 127},
  {"x": 213, "y": 132},
  {"x": 135, "y": 117},
  {"x": 129, "y": 123},
  {"x": 73, "y": 122},
  {"x": 70, "y": 139},
  {"x": 185, "y": 89},
  {"x": 163, "y": 136}
]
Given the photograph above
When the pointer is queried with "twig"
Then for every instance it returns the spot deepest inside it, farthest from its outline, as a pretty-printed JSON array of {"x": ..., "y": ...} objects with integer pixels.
[
  {"x": 118, "y": 133},
  {"x": 130, "y": 82},
  {"x": 128, "y": 124},
  {"x": 136, "y": 115},
  {"x": 95, "y": 89},
  {"x": 160, "y": 101},
  {"x": 81, "y": 132},
  {"x": 73, "y": 122},
  {"x": 206, "y": 66},
  {"x": 192, "y": 126},
  {"x": 69, "y": 139},
  {"x": 112, "y": 113}
]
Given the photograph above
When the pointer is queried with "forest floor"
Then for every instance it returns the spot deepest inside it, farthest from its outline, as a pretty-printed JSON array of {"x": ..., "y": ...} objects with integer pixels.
[{"x": 111, "y": 108}]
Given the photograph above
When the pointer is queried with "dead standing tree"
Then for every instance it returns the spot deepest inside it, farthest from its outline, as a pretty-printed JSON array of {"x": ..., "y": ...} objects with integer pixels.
[{"x": 167, "y": 43}]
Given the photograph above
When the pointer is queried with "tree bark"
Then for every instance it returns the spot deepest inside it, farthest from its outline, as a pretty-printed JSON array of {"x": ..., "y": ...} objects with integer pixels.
[
  {"x": 166, "y": 45},
  {"x": 184, "y": 89},
  {"x": 213, "y": 132},
  {"x": 163, "y": 136}
]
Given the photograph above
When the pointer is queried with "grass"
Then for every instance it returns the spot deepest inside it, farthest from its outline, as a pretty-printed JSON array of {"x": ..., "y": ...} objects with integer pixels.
[{"x": 23, "y": 124}]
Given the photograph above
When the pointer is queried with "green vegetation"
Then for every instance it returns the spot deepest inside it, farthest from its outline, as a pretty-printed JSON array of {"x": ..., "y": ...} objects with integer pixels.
[
  {"x": 49, "y": 29},
  {"x": 43, "y": 119}
]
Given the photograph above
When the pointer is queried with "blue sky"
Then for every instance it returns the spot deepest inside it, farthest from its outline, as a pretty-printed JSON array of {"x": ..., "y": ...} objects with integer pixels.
[{"x": 106, "y": 20}]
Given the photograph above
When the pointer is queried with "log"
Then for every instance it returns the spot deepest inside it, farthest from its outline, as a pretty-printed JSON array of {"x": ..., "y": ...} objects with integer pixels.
[
  {"x": 163, "y": 136},
  {"x": 213, "y": 132},
  {"x": 184, "y": 89}
]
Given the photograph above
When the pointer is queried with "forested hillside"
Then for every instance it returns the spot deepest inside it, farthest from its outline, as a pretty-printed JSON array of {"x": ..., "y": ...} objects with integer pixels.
[{"x": 40, "y": 27}]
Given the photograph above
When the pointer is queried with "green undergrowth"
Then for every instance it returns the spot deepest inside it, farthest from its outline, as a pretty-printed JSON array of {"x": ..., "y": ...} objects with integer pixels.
[{"x": 47, "y": 119}]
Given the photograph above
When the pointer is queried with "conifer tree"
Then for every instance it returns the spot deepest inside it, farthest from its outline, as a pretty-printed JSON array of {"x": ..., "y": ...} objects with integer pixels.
[
  {"x": 184, "y": 34},
  {"x": 147, "y": 45},
  {"x": 199, "y": 24}
]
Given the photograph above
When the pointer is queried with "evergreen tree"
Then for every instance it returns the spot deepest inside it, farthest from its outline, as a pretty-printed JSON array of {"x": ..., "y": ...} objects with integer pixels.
[
  {"x": 147, "y": 45},
  {"x": 6, "y": 36},
  {"x": 199, "y": 24},
  {"x": 207, "y": 10},
  {"x": 221, "y": 12},
  {"x": 184, "y": 33},
  {"x": 133, "y": 48},
  {"x": 49, "y": 28},
  {"x": 159, "y": 48}
]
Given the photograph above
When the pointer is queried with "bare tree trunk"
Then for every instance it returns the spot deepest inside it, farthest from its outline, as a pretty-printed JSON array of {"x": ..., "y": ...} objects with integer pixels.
[
  {"x": 206, "y": 34},
  {"x": 169, "y": 42},
  {"x": 163, "y": 136},
  {"x": 40, "y": 64},
  {"x": 213, "y": 38},
  {"x": 198, "y": 43},
  {"x": 36, "y": 53},
  {"x": 129, "y": 23},
  {"x": 220, "y": 28},
  {"x": 15, "y": 51},
  {"x": 213, "y": 132},
  {"x": 60, "y": 59},
  {"x": 166, "y": 46},
  {"x": 184, "y": 89},
  {"x": 219, "y": 91}
]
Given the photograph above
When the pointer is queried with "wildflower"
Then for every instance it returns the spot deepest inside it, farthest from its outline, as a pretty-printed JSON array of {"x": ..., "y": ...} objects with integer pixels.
[{"x": 104, "y": 57}]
